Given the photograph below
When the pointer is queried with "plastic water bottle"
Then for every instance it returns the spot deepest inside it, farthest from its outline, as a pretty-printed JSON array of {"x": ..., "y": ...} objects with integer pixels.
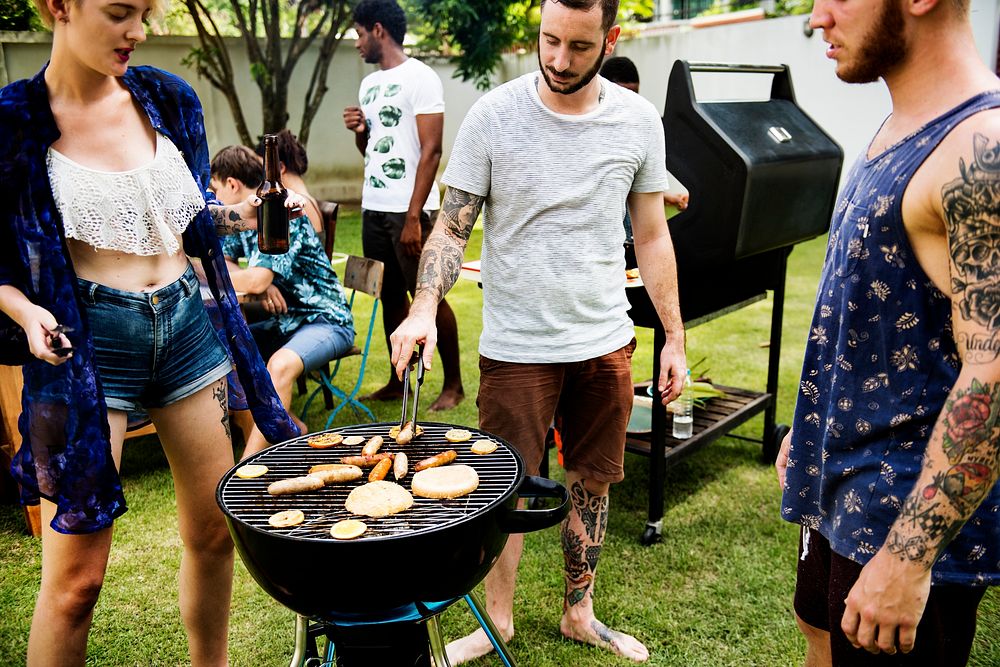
[{"x": 684, "y": 412}]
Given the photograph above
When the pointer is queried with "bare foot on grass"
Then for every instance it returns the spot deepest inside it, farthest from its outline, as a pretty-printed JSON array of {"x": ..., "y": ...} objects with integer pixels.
[
  {"x": 473, "y": 646},
  {"x": 448, "y": 399},
  {"x": 598, "y": 634},
  {"x": 390, "y": 392}
]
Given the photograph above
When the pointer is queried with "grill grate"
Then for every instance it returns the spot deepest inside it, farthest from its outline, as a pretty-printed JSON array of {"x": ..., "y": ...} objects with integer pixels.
[{"x": 248, "y": 501}]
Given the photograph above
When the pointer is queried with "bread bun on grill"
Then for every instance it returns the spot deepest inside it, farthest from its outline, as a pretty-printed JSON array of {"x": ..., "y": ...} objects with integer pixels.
[
  {"x": 379, "y": 498},
  {"x": 457, "y": 435},
  {"x": 450, "y": 481},
  {"x": 354, "y": 440}
]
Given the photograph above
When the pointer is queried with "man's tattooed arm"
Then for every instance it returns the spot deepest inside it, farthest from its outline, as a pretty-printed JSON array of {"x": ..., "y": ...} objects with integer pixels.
[
  {"x": 228, "y": 220},
  {"x": 962, "y": 461},
  {"x": 441, "y": 260}
]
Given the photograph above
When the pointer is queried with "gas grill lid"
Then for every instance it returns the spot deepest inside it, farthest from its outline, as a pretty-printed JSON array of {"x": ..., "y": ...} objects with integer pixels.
[
  {"x": 247, "y": 500},
  {"x": 762, "y": 174}
]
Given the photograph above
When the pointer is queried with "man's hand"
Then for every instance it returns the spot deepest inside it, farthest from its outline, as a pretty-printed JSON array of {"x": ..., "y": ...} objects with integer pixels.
[
  {"x": 679, "y": 201},
  {"x": 273, "y": 301},
  {"x": 354, "y": 120},
  {"x": 417, "y": 328},
  {"x": 781, "y": 462},
  {"x": 411, "y": 237},
  {"x": 888, "y": 597},
  {"x": 673, "y": 369}
]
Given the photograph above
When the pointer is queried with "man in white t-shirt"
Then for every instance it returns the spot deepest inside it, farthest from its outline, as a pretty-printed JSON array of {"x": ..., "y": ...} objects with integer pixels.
[
  {"x": 551, "y": 158},
  {"x": 398, "y": 129}
]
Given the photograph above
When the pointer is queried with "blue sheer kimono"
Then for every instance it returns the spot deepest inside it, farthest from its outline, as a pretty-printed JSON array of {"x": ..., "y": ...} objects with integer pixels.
[{"x": 66, "y": 453}]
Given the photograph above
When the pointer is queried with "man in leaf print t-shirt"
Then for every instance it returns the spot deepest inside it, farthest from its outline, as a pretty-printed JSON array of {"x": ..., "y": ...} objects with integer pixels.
[{"x": 398, "y": 128}]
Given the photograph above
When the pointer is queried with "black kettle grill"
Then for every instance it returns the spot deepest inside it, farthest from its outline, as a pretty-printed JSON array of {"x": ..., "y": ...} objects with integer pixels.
[
  {"x": 762, "y": 177},
  {"x": 377, "y": 597}
]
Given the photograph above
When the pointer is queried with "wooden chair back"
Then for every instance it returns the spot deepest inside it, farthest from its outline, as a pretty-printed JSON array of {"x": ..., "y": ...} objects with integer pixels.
[{"x": 364, "y": 275}]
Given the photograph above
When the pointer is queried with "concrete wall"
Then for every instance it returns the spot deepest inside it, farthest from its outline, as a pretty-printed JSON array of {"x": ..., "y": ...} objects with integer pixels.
[{"x": 851, "y": 113}]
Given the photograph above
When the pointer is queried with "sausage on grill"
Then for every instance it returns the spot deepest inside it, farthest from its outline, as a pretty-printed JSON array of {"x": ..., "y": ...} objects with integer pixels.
[
  {"x": 436, "y": 460},
  {"x": 380, "y": 470},
  {"x": 365, "y": 461}
]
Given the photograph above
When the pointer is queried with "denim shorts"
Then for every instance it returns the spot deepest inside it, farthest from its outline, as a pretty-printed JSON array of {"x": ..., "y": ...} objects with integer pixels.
[
  {"x": 316, "y": 342},
  {"x": 152, "y": 348}
]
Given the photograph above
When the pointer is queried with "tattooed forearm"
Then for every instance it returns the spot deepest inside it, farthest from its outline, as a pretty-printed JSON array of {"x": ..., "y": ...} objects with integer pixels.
[
  {"x": 441, "y": 261},
  {"x": 227, "y": 220},
  {"x": 582, "y": 538},
  {"x": 960, "y": 468},
  {"x": 971, "y": 206}
]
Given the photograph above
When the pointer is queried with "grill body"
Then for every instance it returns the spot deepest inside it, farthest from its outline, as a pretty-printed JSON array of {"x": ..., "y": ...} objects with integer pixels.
[{"x": 406, "y": 567}]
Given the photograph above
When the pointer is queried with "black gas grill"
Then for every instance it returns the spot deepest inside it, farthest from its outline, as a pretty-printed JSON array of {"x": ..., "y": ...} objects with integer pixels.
[{"x": 762, "y": 177}]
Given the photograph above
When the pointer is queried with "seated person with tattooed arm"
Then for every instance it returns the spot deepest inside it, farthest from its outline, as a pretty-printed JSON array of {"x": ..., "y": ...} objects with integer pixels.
[
  {"x": 308, "y": 320},
  {"x": 895, "y": 450}
]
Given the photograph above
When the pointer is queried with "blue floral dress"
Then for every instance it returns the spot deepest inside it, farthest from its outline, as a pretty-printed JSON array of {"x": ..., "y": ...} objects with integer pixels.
[{"x": 66, "y": 451}]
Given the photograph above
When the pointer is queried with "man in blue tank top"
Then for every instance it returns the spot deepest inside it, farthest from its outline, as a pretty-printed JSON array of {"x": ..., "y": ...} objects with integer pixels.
[{"x": 891, "y": 464}]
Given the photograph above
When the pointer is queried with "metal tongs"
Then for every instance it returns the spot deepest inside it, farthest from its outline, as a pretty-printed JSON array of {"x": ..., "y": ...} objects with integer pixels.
[{"x": 418, "y": 359}]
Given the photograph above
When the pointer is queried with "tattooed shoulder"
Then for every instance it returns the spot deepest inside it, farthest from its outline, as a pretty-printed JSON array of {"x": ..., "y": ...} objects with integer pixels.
[{"x": 971, "y": 204}]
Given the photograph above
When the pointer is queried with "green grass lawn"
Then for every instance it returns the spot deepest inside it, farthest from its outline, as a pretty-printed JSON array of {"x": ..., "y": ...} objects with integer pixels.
[{"x": 716, "y": 591}]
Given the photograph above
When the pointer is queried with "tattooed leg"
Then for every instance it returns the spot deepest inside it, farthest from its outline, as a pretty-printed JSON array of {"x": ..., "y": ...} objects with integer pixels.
[
  {"x": 194, "y": 438},
  {"x": 582, "y": 539}
]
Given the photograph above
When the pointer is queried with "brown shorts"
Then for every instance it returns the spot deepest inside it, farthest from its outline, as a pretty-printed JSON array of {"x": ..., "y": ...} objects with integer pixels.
[
  {"x": 945, "y": 632},
  {"x": 594, "y": 397}
]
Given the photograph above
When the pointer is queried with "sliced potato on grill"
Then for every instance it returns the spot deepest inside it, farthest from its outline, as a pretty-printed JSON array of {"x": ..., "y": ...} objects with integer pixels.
[
  {"x": 325, "y": 440},
  {"x": 352, "y": 440},
  {"x": 251, "y": 470},
  {"x": 347, "y": 529},
  {"x": 286, "y": 519},
  {"x": 457, "y": 435},
  {"x": 484, "y": 447}
]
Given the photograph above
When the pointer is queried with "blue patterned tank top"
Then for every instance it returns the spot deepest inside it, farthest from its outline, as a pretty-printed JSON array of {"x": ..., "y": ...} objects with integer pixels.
[{"x": 879, "y": 363}]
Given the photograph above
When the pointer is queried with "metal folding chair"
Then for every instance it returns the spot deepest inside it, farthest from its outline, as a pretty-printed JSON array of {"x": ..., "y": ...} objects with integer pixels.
[{"x": 360, "y": 275}]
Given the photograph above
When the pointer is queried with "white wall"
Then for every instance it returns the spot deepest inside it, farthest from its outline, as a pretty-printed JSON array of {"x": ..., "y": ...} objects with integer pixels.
[{"x": 850, "y": 113}]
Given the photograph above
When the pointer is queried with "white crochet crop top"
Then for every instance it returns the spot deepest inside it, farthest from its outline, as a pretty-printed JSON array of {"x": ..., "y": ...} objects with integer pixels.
[{"x": 141, "y": 211}]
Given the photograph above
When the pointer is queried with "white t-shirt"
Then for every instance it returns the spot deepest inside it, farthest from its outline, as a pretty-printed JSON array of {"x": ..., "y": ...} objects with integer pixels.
[
  {"x": 553, "y": 265},
  {"x": 391, "y": 100}
]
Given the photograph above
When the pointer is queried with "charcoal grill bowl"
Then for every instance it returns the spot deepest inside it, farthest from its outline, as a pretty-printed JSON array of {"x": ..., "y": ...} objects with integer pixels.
[{"x": 387, "y": 579}]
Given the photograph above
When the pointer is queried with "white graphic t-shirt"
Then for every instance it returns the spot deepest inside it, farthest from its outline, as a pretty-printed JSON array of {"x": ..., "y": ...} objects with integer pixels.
[{"x": 391, "y": 100}]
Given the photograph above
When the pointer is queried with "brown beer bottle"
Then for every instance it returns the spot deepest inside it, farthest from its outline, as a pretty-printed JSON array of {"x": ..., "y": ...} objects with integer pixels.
[{"x": 272, "y": 216}]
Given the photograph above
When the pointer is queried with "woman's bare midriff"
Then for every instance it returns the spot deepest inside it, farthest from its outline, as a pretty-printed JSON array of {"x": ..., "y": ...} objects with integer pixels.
[{"x": 124, "y": 271}]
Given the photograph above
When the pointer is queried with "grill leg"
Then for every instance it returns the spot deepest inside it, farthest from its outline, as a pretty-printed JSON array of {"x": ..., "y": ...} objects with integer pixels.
[
  {"x": 301, "y": 628},
  {"x": 437, "y": 643},
  {"x": 479, "y": 611}
]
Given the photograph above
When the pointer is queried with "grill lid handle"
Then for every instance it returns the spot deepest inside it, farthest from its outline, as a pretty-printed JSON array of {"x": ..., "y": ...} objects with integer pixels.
[{"x": 525, "y": 520}]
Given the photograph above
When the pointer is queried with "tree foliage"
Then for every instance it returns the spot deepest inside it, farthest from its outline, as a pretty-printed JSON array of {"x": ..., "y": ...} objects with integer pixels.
[
  {"x": 276, "y": 34},
  {"x": 18, "y": 15},
  {"x": 476, "y": 33}
]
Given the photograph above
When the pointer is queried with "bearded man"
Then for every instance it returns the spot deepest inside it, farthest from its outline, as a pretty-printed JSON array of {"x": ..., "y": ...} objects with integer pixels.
[
  {"x": 891, "y": 464},
  {"x": 550, "y": 158}
]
